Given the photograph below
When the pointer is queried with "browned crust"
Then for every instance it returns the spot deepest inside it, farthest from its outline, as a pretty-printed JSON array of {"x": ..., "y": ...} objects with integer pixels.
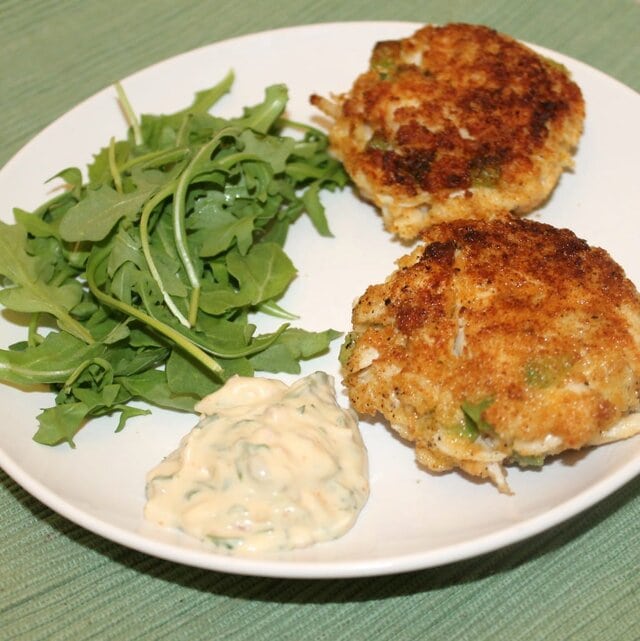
[
  {"x": 527, "y": 296},
  {"x": 452, "y": 109}
]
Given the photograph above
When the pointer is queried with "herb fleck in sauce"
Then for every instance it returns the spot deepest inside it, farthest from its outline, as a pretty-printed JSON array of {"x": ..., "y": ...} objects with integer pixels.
[{"x": 269, "y": 467}]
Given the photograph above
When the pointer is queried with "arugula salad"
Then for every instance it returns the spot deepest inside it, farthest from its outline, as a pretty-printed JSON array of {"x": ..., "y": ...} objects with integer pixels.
[{"x": 140, "y": 281}]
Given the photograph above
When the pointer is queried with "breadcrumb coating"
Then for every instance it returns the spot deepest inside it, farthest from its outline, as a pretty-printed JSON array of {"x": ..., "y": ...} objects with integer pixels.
[
  {"x": 455, "y": 121},
  {"x": 498, "y": 341}
]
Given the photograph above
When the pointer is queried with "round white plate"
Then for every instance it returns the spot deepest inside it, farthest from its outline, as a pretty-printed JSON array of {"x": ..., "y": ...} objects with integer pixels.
[{"x": 413, "y": 519}]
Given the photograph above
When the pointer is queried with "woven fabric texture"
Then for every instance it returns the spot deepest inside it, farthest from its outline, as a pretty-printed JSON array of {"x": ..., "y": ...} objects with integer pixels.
[{"x": 577, "y": 582}]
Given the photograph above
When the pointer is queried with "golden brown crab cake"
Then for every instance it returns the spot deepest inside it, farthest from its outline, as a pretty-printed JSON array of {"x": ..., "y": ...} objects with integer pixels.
[
  {"x": 455, "y": 121},
  {"x": 498, "y": 341}
]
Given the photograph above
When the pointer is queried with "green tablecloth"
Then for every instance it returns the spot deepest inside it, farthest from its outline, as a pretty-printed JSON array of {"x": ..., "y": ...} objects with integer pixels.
[{"x": 579, "y": 581}]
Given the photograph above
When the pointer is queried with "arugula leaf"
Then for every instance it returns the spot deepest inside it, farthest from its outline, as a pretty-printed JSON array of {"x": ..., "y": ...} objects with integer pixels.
[
  {"x": 51, "y": 361},
  {"x": 220, "y": 230},
  {"x": 96, "y": 215},
  {"x": 264, "y": 273},
  {"x": 151, "y": 386},
  {"x": 34, "y": 294},
  {"x": 154, "y": 265},
  {"x": 60, "y": 423},
  {"x": 185, "y": 377},
  {"x": 100, "y": 171},
  {"x": 294, "y": 345},
  {"x": 206, "y": 98},
  {"x": 24, "y": 299},
  {"x": 262, "y": 117}
]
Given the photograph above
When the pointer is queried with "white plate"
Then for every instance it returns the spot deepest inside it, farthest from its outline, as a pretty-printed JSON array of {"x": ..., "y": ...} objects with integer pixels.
[{"x": 413, "y": 519}]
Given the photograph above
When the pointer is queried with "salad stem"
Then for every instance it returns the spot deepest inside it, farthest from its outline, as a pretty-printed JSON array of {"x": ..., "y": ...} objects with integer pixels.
[
  {"x": 148, "y": 208},
  {"x": 92, "y": 264},
  {"x": 129, "y": 114},
  {"x": 198, "y": 162}
]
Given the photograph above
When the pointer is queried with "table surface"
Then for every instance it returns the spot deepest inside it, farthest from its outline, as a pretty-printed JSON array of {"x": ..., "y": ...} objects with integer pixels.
[{"x": 580, "y": 580}]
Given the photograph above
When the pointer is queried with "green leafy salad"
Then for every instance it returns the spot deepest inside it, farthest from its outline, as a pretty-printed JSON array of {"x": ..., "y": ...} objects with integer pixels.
[{"x": 140, "y": 282}]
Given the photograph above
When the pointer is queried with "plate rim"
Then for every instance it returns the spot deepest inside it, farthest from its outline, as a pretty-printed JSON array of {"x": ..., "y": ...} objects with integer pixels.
[
  {"x": 514, "y": 533},
  {"x": 279, "y": 568}
]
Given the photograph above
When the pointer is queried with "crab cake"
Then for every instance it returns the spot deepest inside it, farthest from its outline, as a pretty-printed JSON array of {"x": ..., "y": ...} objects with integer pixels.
[
  {"x": 455, "y": 121},
  {"x": 498, "y": 341}
]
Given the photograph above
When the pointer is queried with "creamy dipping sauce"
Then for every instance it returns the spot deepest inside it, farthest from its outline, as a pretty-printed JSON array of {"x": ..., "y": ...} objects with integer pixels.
[{"x": 268, "y": 467}]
